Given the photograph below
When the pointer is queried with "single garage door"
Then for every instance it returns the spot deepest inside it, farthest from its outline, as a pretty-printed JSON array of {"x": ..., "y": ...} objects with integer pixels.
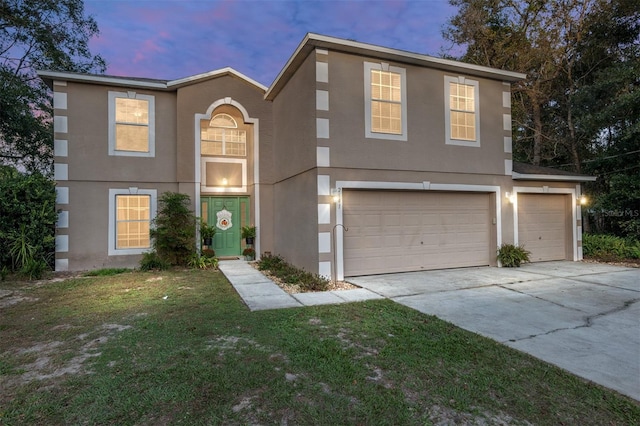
[
  {"x": 542, "y": 225},
  {"x": 393, "y": 231}
]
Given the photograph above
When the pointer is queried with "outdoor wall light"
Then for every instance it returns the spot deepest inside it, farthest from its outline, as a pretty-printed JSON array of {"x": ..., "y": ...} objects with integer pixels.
[
  {"x": 511, "y": 197},
  {"x": 582, "y": 200},
  {"x": 336, "y": 195},
  {"x": 225, "y": 182}
]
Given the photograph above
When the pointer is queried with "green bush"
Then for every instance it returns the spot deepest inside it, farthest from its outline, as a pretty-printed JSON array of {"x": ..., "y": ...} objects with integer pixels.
[
  {"x": 151, "y": 261},
  {"x": 174, "y": 229},
  {"x": 610, "y": 247},
  {"x": 27, "y": 222},
  {"x": 289, "y": 274},
  {"x": 202, "y": 262},
  {"x": 511, "y": 255}
]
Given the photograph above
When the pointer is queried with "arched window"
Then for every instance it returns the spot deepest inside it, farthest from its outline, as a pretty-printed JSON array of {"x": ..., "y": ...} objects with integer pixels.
[{"x": 220, "y": 136}]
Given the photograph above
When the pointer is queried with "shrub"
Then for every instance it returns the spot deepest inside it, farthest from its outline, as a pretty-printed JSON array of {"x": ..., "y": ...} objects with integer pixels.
[
  {"x": 174, "y": 229},
  {"x": 151, "y": 261},
  {"x": 202, "y": 262},
  {"x": 289, "y": 274},
  {"x": 511, "y": 255},
  {"x": 34, "y": 269},
  {"x": 27, "y": 220},
  {"x": 610, "y": 247}
]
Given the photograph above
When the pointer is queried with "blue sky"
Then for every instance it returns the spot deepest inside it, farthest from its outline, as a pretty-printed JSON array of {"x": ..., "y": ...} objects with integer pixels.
[{"x": 169, "y": 39}]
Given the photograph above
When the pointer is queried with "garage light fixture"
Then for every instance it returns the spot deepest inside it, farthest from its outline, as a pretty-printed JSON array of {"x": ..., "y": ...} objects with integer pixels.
[
  {"x": 336, "y": 195},
  {"x": 511, "y": 197},
  {"x": 583, "y": 200}
]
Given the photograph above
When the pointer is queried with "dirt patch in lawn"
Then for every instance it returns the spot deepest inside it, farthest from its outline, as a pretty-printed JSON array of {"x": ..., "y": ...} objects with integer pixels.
[{"x": 54, "y": 359}]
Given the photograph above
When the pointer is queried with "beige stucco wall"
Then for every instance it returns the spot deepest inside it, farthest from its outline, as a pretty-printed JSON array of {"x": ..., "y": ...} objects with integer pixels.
[
  {"x": 89, "y": 224},
  {"x": 92, "y": 172},
  {"x": 425, "y": 148},
  {"x": 296, "y": 220},
  {"x": 88, "y": 142},
  {"x": 295, "y": 134}
]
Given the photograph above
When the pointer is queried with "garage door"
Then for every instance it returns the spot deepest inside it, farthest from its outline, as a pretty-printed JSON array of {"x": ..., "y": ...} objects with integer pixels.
[
  {"x": 542, "y": 225},
  {"x": 391, "y": 231}
]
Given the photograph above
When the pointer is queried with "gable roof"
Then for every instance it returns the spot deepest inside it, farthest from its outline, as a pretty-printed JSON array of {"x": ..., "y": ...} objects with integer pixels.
[
  {"x": 523, "y": 171},
  {"x": 312, "y": 41},
  {"x": 145, "y": 83}
]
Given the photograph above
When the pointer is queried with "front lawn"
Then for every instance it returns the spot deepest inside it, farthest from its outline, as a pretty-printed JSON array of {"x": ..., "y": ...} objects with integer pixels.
[{"x": 179, "y": 347}]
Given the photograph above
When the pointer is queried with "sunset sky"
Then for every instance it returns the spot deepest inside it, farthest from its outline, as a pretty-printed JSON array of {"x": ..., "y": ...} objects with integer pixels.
[{"x": 170, "y": 39}]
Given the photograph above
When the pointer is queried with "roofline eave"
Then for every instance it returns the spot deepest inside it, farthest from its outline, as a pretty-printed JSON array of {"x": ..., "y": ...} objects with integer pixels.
[{"x": 556, "y": 178}]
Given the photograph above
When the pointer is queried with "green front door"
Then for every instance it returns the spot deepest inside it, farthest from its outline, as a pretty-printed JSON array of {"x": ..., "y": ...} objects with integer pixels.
[{"x": 228, "y": 214}]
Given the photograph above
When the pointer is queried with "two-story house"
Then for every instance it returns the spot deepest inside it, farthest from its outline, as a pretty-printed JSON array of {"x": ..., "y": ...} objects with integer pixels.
[{"x": 358, "y": 159}]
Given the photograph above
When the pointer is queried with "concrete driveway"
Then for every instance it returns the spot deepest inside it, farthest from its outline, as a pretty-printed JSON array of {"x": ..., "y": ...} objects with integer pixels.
[{"x": 583, "y": 317}]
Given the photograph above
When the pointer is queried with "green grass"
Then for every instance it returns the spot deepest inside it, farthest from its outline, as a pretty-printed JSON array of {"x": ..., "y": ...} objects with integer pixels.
[
  {"x": 180, "y": 347},
  {"x": 105, "y": 272}
]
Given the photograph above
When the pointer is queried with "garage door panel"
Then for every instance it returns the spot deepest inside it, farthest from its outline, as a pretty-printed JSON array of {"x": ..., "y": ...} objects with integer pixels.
[
  {"x": 414, "y": 231},
  {"x": 542, "y": 225}
]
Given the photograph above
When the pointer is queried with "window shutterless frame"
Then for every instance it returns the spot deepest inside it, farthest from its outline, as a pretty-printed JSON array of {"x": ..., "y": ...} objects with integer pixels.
[
  {"x": 462, "y": 111},
  {"x": 133, "y": 122},
  {"x": 385, "y": 97}
]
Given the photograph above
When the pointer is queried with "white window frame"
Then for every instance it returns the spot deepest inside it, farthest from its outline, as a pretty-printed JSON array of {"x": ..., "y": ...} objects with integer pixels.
[
  {"x": 447, "y": 110},
  {"x": 112, "y": 124},
  {"x": 224, "y": 137},
  {"x": 369, "y": 133},
  {"x": 153, "y": 206}
]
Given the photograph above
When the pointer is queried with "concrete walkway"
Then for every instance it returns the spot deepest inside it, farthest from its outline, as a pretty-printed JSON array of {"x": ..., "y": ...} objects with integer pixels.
[{"x": 260, "y": 293}]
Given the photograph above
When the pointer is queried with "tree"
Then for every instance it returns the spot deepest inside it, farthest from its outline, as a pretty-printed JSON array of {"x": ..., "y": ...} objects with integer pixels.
[
  {"x": 174, "y": 229},
  {"x": 579, "y": 107},
  {"x": 543, "y": 39},
  {"x": 37, "y": 34},
  {"x": 28, "y": 217}
]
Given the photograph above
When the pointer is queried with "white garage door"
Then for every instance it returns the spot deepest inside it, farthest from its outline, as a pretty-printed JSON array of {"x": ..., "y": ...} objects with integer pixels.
[
  {"x": 542, "y": 225},
  {"x": 391, "y": 231}
]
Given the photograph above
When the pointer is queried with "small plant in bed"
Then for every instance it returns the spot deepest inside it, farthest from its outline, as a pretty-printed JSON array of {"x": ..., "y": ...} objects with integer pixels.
[{"x": 289, "y": 274}]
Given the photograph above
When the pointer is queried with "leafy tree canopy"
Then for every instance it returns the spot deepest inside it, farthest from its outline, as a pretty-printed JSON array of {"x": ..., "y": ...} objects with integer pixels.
[
  {"x": 38, "y": 35},
  {"x": 579, "y": 107}
]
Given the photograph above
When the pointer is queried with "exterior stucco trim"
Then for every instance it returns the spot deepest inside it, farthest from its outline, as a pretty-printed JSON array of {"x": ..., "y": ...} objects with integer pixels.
[
  {"x": 61, "y": 265},
  {"x": 62, "y": 195},
  {"x": 60, "y": 147}
]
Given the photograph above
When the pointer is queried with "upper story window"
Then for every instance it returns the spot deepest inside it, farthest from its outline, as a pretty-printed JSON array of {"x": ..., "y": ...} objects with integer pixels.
[
  {"x": 385, "y": 101},
  {"x": 462, "y": 111},
  {"x": 131, "y": 124},
  {"x": 221, "y": 136}
]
